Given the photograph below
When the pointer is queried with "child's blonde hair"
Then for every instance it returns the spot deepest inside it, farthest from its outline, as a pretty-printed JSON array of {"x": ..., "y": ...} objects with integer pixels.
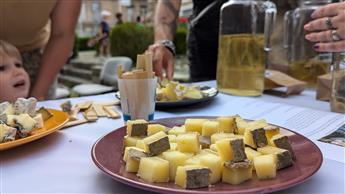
[{"x": 7, "y": 49}]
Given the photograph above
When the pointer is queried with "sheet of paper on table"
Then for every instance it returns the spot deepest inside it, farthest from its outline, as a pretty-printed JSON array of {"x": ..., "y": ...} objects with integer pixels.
[{"x": 313, "y": 124}]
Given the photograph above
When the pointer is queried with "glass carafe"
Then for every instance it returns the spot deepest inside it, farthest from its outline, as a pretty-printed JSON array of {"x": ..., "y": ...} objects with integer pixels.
[
  {"x": 244, "y": 40},
  {"x": 304, "y": 62}
]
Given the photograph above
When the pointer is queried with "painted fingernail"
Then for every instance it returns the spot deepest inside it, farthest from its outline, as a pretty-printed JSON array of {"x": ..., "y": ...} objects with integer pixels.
[{"x": 316, "y": 47}]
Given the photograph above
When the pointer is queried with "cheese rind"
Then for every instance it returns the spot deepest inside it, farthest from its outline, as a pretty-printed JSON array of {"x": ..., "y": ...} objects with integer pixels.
[
  {"x": 237, "y": 147},
  {"x": 205, "y": 142},
  {"x": 45, "y": 113}
]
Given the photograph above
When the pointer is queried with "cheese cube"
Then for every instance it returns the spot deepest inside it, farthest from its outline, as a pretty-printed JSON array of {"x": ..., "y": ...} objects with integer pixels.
[
  {"x": 209, "y": 128},
  {"x": 132, "y": 158},
  {"x": 130, "y": 141},
  {"x": 270, "y": 131},
  {"x": 194, "y": 160},
  {"x": 173, "y": 146},
  {"x": 283, "y": 157},
  {"x": 218, "y": 136},
  {"x": 177, "y": 130},
  {"x": 214, "y": 163},
  {"x": 172, "y": 138},
  {"x": 251, "y": 154},
  {"x": 194, "y": 125},
  {"x": 7, "y": 133},
  {"x": 282, "y": 141},
  {"x": 154, "y": 170},
  {"x": 265, "y": 166},
  {"x": 133, "y": 152},
  {"x": 137, "y": 128},
  {"x": 208, "y": 151},
  {"x": 240, "y": 126},
  {"x": 25, "y": 121},
  {"x": 132, "y": 165},
  {"x": 224, "y": 149},
  {"x": 213, "y": 147},
  {"x": 255, "y": 137},
  {"x": 226, "y": 124},
  {"x": 154, "y": 128},
  {"x": 231, "y": 149},
  {"x": 188, "y": 142},
  {"x": 175, "y": 159},
  {"x": 142, "y": 145},
  {"x": 39, "y": 121},
  {"x": 236, "y": 173},
  {"x": 192, "y": 176},
  {"x": 45, "y": 113},
  {"x": 156, "y": 143}
]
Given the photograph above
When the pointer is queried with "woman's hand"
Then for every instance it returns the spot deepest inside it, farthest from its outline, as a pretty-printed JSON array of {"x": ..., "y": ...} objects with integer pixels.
[{"x": 328, "y": 28}]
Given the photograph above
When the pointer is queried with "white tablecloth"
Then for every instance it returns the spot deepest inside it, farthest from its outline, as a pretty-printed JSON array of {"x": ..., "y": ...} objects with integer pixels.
[{"x": 61, "y": 162}]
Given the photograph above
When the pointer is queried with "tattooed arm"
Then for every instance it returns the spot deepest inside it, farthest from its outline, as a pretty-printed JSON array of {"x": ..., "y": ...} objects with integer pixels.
[
  {"x": 166, "y": 15},
  {"x": 166, "y": 19}
]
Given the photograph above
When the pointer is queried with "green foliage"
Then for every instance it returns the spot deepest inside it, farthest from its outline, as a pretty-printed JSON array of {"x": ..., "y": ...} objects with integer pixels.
[
  {"x": 180, "y": 41},
  {"x": 129, "y": 39}
]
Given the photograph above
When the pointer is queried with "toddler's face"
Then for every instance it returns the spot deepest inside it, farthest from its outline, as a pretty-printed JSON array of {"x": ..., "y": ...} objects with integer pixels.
[{"x": 14, "y": 81}]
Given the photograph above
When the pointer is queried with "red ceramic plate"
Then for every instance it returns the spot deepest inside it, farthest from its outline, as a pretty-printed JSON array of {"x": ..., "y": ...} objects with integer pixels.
[{"x": 107, "y": 155}]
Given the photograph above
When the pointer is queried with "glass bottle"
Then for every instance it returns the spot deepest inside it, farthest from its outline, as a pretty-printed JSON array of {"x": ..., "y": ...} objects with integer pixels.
[
  {"x": 244, "y": 40},
  {"x": 304, "y": 62},
  {"x": 338, "y": 84}
]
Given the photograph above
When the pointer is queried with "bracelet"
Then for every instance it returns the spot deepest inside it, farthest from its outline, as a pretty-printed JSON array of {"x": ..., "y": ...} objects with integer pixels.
[{"x": 169, "y": 45}]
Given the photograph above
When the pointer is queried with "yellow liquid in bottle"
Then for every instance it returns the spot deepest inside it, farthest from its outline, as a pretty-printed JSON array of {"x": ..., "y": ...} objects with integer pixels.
[
  {"x": 241, "y": 64},
  {"x": 308, "y": 70}
]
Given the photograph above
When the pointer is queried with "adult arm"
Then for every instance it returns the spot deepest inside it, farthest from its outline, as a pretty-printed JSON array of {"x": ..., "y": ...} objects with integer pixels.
[
  {"x": 165, "y": 25},
  {"x": 63, "y": 22}
]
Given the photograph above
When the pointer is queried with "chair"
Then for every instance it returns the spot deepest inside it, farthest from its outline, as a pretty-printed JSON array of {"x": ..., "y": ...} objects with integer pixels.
[{"x": 108, "y": 77}]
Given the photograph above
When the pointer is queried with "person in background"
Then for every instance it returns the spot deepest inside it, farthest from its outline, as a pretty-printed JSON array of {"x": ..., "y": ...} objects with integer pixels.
[
  {"x": 43, "y": 31},
  {"x": 118, "y": 16},
  {"x": 139, "y": 22},
  {"x": 327, "y": 29},
  {"x": 104, "y": 31},
  {"x": 14, "y": 81}
]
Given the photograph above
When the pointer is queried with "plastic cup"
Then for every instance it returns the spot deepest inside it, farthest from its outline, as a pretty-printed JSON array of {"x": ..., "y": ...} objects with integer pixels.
[{"x": 138, "y": 98}]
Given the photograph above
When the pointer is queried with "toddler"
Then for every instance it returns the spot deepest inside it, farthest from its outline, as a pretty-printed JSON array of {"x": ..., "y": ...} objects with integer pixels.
[{"x": 14, "y": 81}]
